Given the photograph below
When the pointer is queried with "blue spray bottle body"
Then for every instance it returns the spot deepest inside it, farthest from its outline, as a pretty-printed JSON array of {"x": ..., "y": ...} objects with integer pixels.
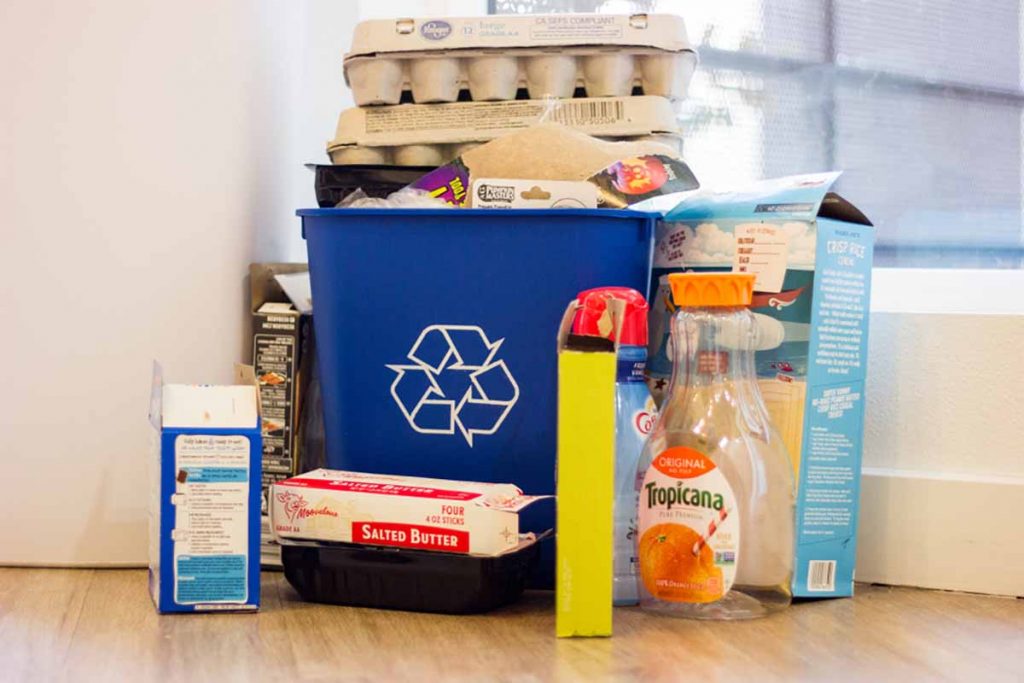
[{"x": 635, "y": 415}]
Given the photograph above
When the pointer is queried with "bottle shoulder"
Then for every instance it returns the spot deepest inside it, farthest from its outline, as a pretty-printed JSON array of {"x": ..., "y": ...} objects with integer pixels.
[
  {"x": 721, "y": 426},
  {"x": 713, "y": 411}
]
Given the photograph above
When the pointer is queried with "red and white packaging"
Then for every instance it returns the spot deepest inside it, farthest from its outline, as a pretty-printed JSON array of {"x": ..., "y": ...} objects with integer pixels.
[{"x": 404, "y": 512}]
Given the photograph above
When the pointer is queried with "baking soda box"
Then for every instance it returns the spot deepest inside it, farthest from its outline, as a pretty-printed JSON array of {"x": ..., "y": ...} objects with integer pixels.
[
  {"x": 204, "y": 535},
  {"x": 811, "y": 251},
  {"x": 402, "y": 512}
]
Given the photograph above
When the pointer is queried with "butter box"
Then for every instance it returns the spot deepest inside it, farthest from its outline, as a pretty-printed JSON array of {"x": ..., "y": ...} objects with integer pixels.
[{"x": 398, "y": 511}]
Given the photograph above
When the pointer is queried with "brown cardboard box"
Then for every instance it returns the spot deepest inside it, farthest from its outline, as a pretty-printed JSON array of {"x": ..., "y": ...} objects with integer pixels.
[{"x": 282, "y": 355}]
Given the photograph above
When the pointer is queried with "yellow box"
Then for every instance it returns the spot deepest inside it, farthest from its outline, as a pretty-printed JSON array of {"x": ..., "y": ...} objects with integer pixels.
[{"x": 586, "y": 480}]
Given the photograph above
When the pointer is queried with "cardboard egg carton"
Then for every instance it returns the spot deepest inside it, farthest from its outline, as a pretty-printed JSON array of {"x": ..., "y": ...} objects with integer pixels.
[
  {"x": 431, "y": 134},
  {"x": 493, "y": 58}
]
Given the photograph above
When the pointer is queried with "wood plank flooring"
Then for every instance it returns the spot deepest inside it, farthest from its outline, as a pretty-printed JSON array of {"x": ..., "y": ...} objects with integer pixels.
[{"x": 83, "y": 625}]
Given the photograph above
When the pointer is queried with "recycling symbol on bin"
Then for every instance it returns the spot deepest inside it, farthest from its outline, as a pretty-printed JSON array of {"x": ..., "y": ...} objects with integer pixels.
[{"x": 454, "y": 381}]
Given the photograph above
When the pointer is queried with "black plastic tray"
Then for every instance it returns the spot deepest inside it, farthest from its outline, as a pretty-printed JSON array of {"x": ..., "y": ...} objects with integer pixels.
[
  {"x": 334, "y": 183},
  {"x": 413, "y": 580}
]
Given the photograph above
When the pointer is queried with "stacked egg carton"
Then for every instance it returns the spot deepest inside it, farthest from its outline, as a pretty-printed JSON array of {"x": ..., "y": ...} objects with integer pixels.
[{"x": 428, "y": 90}]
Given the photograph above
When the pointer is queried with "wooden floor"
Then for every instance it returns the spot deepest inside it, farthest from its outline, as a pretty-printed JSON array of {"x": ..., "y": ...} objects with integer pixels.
[{"x": 100, "y": 625}]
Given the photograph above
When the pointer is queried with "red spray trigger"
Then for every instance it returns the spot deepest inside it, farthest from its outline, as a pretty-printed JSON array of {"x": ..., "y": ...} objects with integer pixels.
[{"x": 594, "y": 319}]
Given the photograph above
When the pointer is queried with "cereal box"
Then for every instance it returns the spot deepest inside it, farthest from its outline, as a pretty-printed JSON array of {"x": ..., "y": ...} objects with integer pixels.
[
  {"x": 811, "y": 252},
  {"x": 204, "y": 536}
]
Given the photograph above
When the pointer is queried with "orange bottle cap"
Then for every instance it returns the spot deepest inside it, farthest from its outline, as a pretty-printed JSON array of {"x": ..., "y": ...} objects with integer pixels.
[{"x": 711, "y": 289}]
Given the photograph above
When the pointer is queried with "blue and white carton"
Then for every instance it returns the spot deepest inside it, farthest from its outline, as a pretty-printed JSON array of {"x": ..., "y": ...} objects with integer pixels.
[
  {"x": 811, "y": 251},
  {"x": 204, "y": 516}
]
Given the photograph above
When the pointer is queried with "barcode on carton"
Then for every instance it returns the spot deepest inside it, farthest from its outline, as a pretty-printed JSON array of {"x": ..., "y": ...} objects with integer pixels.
[
  {"x": 821, "y": 575},
  {"x": 588, "y": 113}
]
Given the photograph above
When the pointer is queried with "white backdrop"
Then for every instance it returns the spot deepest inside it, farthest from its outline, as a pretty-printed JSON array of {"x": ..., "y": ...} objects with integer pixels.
[{"x": 148, "y": 152}]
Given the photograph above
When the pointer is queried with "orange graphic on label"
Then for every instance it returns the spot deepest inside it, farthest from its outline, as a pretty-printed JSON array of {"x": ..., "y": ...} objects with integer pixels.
[{"x": 671, "y": 571}]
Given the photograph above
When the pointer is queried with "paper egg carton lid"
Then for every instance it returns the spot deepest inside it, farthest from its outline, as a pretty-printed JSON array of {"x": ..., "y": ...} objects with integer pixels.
[
  {"x": 496, "y": 58},
  {"x": 458, "y": 122},
  {"x": 387, "y": 36}
]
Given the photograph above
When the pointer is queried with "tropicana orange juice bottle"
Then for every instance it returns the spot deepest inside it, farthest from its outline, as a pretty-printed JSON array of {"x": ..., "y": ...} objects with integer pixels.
[{"x": 715, "y": 483}]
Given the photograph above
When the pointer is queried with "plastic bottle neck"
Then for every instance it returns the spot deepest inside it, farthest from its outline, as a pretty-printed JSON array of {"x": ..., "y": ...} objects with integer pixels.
[
  {"x": 714, "y": 370},
  {"x": 713, "y": 375},
  {"x": 713, "y": 346}
]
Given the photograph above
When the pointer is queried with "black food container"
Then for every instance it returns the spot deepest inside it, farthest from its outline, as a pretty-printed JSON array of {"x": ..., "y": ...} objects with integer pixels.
[{"x": 402, "y": 579}]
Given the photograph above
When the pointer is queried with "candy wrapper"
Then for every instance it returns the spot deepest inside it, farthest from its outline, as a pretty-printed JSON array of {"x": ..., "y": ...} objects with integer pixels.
[{"x": 636, "y": 179}]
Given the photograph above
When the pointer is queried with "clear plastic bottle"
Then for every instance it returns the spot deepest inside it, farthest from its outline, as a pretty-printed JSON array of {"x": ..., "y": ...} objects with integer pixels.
[{"x": 715, "y": 483}]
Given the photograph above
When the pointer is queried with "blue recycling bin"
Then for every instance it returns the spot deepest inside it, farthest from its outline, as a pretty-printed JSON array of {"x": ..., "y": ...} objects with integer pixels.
[{"x": 436, "y": 332}]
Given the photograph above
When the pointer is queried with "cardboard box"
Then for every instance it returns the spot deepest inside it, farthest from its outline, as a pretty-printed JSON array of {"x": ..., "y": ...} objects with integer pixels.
[
  {"x": 587, "y": 368},
  {"x": 403, "y": 512},
  {"x": 413, "y": 134},
  {"x": 811, "y": 251},
  {"x": 625, "y": 173},
  {"x": 514, "y": 193},
  {"x": 282, "y": 356},
  {"x": 204, "y": 536}
]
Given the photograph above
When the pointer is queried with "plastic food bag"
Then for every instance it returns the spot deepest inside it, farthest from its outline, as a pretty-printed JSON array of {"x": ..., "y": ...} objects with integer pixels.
[{"x": 406, "y": 198}]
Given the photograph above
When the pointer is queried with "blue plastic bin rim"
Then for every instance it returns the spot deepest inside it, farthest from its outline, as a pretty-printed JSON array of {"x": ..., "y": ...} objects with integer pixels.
[
  {"x": 476, "y": 213},
  {"x": 609, "y": 213}
]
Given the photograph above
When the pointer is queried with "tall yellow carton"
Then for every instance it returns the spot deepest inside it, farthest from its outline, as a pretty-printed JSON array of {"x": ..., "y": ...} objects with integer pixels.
[{"x": 585, "y": 480}]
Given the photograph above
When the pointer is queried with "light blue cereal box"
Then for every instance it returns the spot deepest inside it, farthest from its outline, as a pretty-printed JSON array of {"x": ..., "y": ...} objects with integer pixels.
[{"x": 811, "y": 251}]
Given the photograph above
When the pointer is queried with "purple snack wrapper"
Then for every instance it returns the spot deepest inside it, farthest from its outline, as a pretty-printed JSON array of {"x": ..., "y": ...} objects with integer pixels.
[{"x": 449, "y": 182}]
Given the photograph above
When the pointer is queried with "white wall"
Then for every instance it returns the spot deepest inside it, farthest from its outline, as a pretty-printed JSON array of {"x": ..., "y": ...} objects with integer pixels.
[
  {"x": 149, "y": 150},
  {"x": 942, "y": 496}
]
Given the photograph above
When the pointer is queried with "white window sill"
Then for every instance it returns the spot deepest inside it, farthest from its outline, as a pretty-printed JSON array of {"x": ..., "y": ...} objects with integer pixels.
[{"x": 947, "y": 290}]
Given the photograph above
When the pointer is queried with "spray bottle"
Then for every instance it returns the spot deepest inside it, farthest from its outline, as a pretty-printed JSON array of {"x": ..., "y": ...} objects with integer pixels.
[{"x": 635, "y": 416}]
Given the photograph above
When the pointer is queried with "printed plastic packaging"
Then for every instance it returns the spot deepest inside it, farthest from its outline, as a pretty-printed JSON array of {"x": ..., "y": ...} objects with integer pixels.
[
  {"x": 429, "y": 135},
  {"x": 495, "y": 57}
]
